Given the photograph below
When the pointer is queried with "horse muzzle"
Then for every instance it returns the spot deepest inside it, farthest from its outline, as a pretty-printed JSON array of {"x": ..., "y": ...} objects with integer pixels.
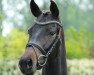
[
  {"x": 27, "y": 62},
  {"x": 32, "y": 60},
  {"x": 25, "y": 65}
]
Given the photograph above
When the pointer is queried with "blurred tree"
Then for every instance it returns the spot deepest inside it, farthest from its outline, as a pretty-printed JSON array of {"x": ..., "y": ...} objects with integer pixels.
[
  {"x": 19, "y": 14},
  {"x": 45, "y": 5},
  {"x": 90, "y": 14},
  {"x": 64, "y": 11},
  {"x": 28, "y": 17},
  {"x": 71, "y": 13},
  {"x": 10, "y": 48},
  {"x": 1, "y": 17}
]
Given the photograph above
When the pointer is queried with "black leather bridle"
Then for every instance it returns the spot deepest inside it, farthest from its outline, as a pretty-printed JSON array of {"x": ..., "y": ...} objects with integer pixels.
[{"x": 45, "y": 54}]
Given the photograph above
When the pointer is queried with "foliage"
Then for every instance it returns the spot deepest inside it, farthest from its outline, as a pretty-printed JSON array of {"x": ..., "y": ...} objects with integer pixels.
[
  {"x": 10, "y": 67},
  {"x": 80, "y": 67},
  {"x": 13, "y": 45},
  {"x": 78, "y": 43},
  {"x": 1, "y": 17},
  {"x": 75, "y": 67}
]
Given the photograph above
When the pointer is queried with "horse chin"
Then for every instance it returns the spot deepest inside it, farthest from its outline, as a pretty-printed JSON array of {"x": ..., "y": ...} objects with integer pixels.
[
  {"x": 27, "y": 72},
  {"x": 30, "y": 74}
]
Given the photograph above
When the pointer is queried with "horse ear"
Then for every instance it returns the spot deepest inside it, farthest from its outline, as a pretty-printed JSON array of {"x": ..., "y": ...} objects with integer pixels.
[
  {"x": 54, "y": 9},
  {"x": 35, "y": 9}
]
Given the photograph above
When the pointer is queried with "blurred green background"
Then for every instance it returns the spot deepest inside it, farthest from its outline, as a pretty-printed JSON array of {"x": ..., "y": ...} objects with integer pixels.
[{"x": 77, "y": 17}]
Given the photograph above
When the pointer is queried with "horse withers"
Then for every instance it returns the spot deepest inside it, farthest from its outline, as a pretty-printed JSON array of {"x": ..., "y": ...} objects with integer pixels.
[{"x": 46, "y": 47}]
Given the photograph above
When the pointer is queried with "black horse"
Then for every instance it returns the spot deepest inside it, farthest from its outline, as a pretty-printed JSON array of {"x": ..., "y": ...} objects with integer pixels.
[{"x": 46, "y": 47}]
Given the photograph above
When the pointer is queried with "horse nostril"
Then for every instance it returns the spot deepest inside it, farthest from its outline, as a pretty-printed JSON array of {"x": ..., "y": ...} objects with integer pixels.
[{"x": 29, "y": 63}]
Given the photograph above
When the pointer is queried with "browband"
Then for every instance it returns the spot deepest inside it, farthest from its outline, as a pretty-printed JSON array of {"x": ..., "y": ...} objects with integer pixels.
[{"x": 47, "y": 23}]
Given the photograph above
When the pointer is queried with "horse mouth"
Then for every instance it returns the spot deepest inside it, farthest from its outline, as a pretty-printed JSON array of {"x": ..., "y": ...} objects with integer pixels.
[
  {"x": 29, "y": 74},
  {"x": 26, "y": 71}
]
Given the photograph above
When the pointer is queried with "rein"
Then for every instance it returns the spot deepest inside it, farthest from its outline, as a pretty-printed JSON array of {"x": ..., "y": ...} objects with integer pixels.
[{"x": 45, "y": 55}]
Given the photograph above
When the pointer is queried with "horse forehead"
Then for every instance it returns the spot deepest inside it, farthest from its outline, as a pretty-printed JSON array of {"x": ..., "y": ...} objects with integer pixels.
[
  {"x": 45, "y": 17},
  {"x": 39, "y": 29}
]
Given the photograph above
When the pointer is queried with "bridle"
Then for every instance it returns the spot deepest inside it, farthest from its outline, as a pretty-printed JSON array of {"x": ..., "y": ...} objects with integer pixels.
[{"x": 45, "y": 55}]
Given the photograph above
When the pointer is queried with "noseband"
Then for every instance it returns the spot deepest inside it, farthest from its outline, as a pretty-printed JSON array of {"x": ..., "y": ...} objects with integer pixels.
[{"x": 45, "y": 55}]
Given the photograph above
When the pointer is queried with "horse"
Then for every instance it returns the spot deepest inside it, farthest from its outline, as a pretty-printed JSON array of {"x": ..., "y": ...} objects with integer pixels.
[{"x": 46, "y": 45}]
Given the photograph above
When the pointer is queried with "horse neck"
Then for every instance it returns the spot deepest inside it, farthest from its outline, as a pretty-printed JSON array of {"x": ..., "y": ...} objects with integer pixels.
[{"x": 57, "y": 66}]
